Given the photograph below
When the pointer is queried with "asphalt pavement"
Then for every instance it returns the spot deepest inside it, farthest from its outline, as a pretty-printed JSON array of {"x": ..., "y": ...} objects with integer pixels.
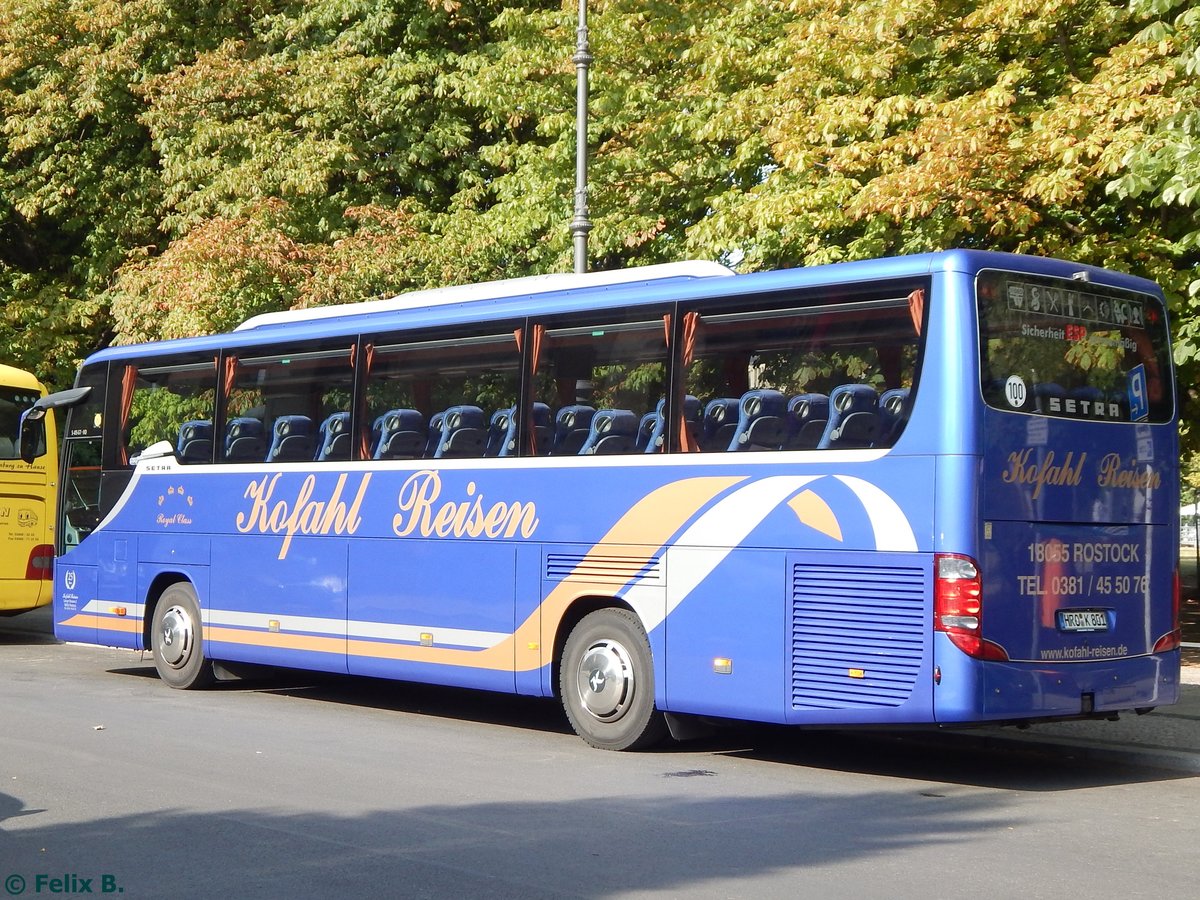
[{"x": 1168, "y": 737}]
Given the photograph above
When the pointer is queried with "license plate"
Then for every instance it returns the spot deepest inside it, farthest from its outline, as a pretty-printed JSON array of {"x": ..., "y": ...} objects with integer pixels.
[{"x": 1082, "y": 620}]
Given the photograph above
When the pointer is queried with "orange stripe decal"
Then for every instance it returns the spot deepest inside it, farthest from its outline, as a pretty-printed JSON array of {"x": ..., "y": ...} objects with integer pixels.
[
  {"x": 275, "y": 639},
  {"x": 638, "y": 535},
  {"x": 104, "y": 623}
]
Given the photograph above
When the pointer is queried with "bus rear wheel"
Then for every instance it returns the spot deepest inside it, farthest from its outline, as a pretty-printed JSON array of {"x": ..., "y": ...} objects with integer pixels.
[
  {"x": 175, "y": 640},
  {"x": 606, "y": 681}
]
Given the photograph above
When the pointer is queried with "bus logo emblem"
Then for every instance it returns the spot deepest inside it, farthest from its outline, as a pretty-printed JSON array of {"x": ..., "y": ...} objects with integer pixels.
[{"x": 69, "y": 579}]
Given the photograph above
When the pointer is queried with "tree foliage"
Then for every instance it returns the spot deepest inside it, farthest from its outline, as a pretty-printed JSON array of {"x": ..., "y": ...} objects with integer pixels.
[{"x": 170, "y": 167}]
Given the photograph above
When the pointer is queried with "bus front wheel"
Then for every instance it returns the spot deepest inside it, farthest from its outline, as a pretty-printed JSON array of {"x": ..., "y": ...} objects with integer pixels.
[
  {"x": 606, "y": 680},
  {"x": 175, "y": 640}
]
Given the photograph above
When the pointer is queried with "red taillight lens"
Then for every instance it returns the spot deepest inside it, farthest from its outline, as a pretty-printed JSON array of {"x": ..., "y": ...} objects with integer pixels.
[
  {"x": 41, "y": 564},
  {"x": 1173, "y": 638},
  {"x": 958, "y": 605}
]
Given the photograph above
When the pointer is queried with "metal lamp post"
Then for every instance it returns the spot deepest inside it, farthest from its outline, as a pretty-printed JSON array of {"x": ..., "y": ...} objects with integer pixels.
[{"x": 581, "y": 224}]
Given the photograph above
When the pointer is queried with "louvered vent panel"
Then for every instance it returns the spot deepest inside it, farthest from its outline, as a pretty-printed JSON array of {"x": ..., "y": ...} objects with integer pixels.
[
  {"x": 865, "y": 619},
  {"x": 602, "y": 569}
]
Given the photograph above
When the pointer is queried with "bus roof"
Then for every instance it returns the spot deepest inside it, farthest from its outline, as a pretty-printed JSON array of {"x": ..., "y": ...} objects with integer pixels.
[
  {"x": 494, "y": 290},
  {"x": 563, "y": 293},
  {"x": 20, "y": 378}
]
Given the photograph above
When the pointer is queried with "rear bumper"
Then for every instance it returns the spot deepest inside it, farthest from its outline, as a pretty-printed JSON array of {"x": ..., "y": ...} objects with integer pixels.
[{"x": 993, "y": 691}]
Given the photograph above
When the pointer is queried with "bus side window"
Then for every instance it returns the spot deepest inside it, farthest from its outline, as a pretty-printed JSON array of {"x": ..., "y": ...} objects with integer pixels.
[
  {"x": 450, "y": 398},
  {"x": 167, "y": 399},
  {"x": 290, "y": 405},
  {"x": 603, "y": 382},
  {"x": 802, "y": 374}
]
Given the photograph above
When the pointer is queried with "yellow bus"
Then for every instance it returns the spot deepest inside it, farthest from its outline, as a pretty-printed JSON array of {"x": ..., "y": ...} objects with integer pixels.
[{"x": 27, "y": 496}]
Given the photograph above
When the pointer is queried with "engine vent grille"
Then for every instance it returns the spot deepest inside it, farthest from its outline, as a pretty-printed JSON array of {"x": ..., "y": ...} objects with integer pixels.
[
  {"x": 596, "y": 569},
  {"x": 859, "y": 634}
]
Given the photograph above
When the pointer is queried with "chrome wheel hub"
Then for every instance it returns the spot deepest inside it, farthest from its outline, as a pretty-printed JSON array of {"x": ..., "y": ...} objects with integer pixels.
[
  {"x": 606, "y": 680},
  {"x": 177, "y": 634}
]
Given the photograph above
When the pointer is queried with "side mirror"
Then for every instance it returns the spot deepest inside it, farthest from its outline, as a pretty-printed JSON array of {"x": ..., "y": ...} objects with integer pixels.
[{"x": 33, "y": 420}]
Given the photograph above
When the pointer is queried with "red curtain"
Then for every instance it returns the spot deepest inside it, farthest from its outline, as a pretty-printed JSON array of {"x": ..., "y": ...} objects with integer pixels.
[
  {"x": 128, "y": 384},
  {"x": 691, "y": 332},
  {"x": 536, "y": 335},
  {"x": 916, "y": 308}
]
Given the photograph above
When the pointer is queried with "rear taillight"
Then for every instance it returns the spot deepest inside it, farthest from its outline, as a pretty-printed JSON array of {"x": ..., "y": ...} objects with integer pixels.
[
  {"x": 41, "y": 564},
  {"x": 1172, "y": 639},
  {"x": 958, "y": 605}
]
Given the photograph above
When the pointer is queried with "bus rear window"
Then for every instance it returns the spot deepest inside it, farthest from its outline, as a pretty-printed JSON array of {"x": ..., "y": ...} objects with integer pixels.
[{"x": 1073, "y": 349}]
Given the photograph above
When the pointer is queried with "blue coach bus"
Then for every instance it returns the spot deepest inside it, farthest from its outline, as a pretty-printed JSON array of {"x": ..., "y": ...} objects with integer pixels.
[{"x": 936, "y": 489}]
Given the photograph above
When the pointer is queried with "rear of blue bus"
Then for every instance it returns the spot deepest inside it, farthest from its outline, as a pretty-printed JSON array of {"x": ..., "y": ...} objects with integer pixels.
[{"x": 1067, "y": 603}]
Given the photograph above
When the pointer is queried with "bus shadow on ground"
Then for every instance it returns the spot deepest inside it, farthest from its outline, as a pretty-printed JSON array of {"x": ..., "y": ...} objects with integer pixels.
[
  {"x": 533, "y": 848},
  {"x": 953, "y": 758},
  {"x": 948, "y": 757}
]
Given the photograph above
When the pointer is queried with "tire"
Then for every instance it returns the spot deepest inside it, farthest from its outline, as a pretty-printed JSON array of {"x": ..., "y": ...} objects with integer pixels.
[
  {"x": 606, "y": 682},
  {"x": 176, "y": 640}
]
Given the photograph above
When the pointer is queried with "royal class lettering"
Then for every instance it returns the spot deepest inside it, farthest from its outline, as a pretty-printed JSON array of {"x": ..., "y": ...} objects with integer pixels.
[
  {"x": 303, "y": 514},
  {"x": 421, "y": 513},
  {"x": 1114, "y": 475},
  {"x": 1047, "y": 470}
]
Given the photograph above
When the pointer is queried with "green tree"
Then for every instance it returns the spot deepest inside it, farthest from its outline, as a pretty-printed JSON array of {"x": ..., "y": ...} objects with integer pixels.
[
  {"x": 1163, "y": 169},
  {"x": 170, "y": 167}
]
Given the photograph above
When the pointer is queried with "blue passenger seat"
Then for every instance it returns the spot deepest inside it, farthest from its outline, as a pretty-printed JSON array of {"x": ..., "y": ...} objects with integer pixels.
[
  {"x": 502, "y": 433},
  {"x": 464, "y": 433},
  {"x": 195, "y": 441},
  {"x": 646, "y": 427},
  {"x": 853, "y": 418},
  {"x": 761, "y": 421},
  {"x": 657, "y": 425},
  {"x": 333, "y": 438},
  {"x": 894, "y": 407},
  {"x": 658, "y": 433},
  {"x": 543, "y": 429},
  {"x": 719, "y": 423},
  {"x": 434, "y": 439},
  {"x": 244, "y": 440},
  {"x": 807, "y": 415},
  {"x": 611, "y": 431},
  {"x": 402, "y": 434},
  {"x": 292, "y": 440},
  {"x": 571, "y": 428}
]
